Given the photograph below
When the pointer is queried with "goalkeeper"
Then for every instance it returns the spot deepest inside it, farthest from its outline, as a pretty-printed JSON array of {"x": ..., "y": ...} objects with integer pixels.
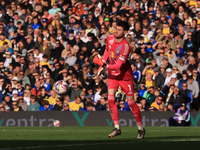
[{"x": 119, "y": 74}]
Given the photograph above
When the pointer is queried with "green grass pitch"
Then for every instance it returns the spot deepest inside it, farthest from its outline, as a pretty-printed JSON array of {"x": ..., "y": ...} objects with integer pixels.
[{"x": 96, "y": 138}]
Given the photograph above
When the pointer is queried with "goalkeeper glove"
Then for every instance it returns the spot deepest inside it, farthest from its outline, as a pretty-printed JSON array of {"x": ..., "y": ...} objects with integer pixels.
[
  {"x": 101, "y": 68},
  {"x": 98, "y": 60}
]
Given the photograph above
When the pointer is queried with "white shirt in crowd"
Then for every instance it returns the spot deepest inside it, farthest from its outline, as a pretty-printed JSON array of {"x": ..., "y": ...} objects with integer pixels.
[
  {"x": 167, "y": 80},
  {"x": 38, "y": 56}
]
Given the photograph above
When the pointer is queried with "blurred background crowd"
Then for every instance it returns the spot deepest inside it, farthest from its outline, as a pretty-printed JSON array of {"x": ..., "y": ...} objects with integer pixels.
[{"x": 44, "y": 41}]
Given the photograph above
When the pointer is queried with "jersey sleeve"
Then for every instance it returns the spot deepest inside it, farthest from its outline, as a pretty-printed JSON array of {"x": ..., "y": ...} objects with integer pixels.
[
  {"x": 105, "y": 55},
  {"x": 124, "y": 53}
]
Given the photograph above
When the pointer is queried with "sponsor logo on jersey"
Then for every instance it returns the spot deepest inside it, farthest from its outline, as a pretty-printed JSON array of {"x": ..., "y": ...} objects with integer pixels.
[{"x": 112, "y": 54}]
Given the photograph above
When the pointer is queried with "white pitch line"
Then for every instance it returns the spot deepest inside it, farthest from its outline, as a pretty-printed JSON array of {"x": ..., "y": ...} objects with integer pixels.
[
  {"x": 93, "y": 144},
  {"x": 54, "y": 130},
  {"x": 4, "y": 130}
]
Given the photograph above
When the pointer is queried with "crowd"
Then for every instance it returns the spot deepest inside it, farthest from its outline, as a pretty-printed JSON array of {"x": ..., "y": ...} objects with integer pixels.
[{"x": 44, "y": 41}]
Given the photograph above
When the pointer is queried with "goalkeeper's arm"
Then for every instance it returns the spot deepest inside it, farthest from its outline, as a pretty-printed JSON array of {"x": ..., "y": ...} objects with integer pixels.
[{"x": 102, "y": 63}]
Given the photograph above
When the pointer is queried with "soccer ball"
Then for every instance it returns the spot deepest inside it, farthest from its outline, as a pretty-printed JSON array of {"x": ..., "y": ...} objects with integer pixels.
[
  {"x": 61, "y": 87},
  {"x": 56, "y": 123}
]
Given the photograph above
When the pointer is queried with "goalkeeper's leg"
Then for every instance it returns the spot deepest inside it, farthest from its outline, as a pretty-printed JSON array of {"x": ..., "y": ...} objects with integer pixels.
[
  {"x": 112, "y": 86},
  {"x": 128, "y": 88}
]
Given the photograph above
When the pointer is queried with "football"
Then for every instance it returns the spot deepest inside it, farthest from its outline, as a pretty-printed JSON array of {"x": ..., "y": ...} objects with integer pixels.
[
  {"x": 56, "y": 123},
  {"x": 61, "y": 87}
]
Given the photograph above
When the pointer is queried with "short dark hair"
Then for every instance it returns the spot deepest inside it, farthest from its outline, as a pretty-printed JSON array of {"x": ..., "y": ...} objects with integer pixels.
[
  {"x": 77, "y": 96},
  {"x": 19, "y": 82},
  {"x": 45, "y": 102},
  {"x": 33, "y": 97},
  {"x": 45, "y": 56},
  {"x": 123, "y": 24},
  {"x": 88, "y": 105},
  {"x": 42, "y": 88}
]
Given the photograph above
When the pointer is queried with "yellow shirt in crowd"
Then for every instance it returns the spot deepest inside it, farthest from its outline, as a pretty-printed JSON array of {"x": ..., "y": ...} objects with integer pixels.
[
  {"x": 6, "y": 40},
  {"x": 17, "y": 109},
  {"x": 166, "y": 31},
  {"x": 52, "y": 101},
  {"x": 193, "y": 3},
  {"x": 155, "y": 105},
  {"x": 75, "y": 107},
  {"x": 149, "y": 83},
  {"x": 43, "y": 63}
]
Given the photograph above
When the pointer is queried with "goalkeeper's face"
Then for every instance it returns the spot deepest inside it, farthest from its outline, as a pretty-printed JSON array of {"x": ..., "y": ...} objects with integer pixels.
[{"x": 119, "y": 33}]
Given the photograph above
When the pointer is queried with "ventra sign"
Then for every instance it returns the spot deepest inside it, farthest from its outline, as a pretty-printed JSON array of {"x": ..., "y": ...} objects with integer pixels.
[
  {"x": 194, "y": 118},
  {"x": 87, "y": 118},
  {"x": 27, "y": 122}
]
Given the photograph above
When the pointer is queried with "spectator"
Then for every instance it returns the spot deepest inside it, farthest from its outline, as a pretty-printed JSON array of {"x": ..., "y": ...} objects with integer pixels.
[
  {"x": 2, "y": 107},
  {"x": 65, "y": 107},
  {"x": 189, "y": 98},
  {"x": 88, "y": 107},
  {"x": 42, "y": 95},
  {"x": 52, "y": 99},
  {"x": 183, "y": 79},
  {"x": 22, "y": 104},
  {"x": 34, "y": 105},
  {"x": 14, "y": 95},
  {"x": 36, "y": 89},
  {"x": 149, "y": 95},
  {"x": 69, "y": 59},
  {"x": 15, "y": 106},
  {"x": 54, "y": 9},
  {"x": 142, "y": 89},
  {"x": 196, "y": 76},
  {"x": 75, "y": 91},
  {"x": 194, "y": 87},
  {"x": 44, "y": 84},
  {"x": 149, "y": 81},
  {"x": 193, "y": 63},
  {"x": 46, "y": 106},
  {"x": 169, "y": 76},
  {"x": 8, "y": 59},
  {"x": 123, "y": 106},
  {"x": 24, "y": 79},
  {"x": 83, "y": 96},
  {"x": 181, "y": 117},
  {"x": 155, "y": 105},
  {"x": 76, "y": 104},
  {"x": 177, "y": 97},
  {"x": 168, "y": 90},
  {"x": 159, "y": 78},
  {"x": 136, "y": 72},
  {"x": 8, "y": 101},
  {"x": 101, "y": 105},
  {"x": 162, "y": 107},
  {"x": 59, "y": 104},
  {"x": 144, "y": 105},
  {"x": 26, "y": 97}
]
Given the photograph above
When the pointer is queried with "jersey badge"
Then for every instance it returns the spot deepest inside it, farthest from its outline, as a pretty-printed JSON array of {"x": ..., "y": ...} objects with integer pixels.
[{"x": 117, "y": 51}]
